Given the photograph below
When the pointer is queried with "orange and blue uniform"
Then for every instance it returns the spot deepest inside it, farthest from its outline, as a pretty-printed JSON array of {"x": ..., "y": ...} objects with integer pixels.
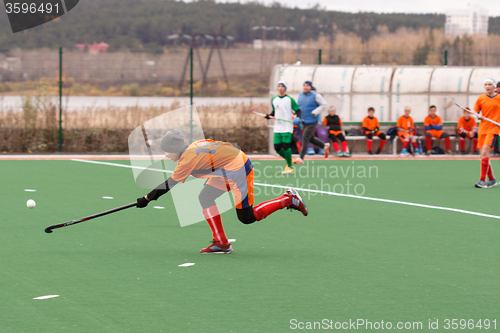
[
  {"x": 489, "y": 107},
  {"x": 226, "y": 167},
  {"x": 371, "y": 127},
  {"x": 434, "y": 129}
]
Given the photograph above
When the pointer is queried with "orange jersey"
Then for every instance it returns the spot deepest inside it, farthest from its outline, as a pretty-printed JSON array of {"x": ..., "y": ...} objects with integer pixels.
[
  {"x": 436, "y": 121},
  {"x": 370, "y": 123},
  {"x": 489, "y": 108},
  {"x": 208, "y": 158},
  {"x": 403, "y": 123},
  {"x": 469, "y": 125}
]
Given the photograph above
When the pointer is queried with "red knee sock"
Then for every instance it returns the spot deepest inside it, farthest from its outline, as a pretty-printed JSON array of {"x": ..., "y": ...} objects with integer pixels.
[
  {"x": 405, "y": 143},
  {"x": 485, "y": 164},
  {"x": 266, "y": 208},
  {"x": 344, "y": 146},
  {"x": 212, "y": 216},
  {"x": 447, "y": 143},
  {"x": 491, "y": 176},
  {"x": 428, "y": 143},
  {"x": 415, "y": 145},
  {"x": 462, "y": 144},
  {"x": 336, "y": 146},
  {"x": 474, "y": 144},
  {"x": 369, "y": 144},
  {"x": 382, "y": 144}
]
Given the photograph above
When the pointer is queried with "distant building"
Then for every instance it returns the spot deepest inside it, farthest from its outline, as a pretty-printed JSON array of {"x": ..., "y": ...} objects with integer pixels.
[{"x": 470, "y": 21}]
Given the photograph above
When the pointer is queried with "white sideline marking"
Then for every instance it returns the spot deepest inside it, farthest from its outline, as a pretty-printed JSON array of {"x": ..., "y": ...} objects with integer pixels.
[
  {"x": 187, "y": 264},
  {"x": 29, "y": 190},
  {"x": 46, "y": 297},
  {"x": 108, "y": 198},
  {"x": 159, "y": 207},
  {"x": 231, "y": 240},
  {"x": 456, "y": 210}
]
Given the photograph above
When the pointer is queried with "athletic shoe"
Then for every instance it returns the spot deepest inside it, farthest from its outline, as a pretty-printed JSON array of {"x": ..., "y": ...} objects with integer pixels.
[
  {"x": 492, "y": 182},
  {"x": 449, "y": 152},
  {"x": 370, "y": 152},
  {"x": 481, "y": 184},
  {"x": 340, "y": 154},
  {"x": 310, "y": 151},
  {"x": 404, "y": 152},
  {"x": 463, "y": 152},
  {"x": 218, "y": 248},
  {"x": 327, "y": 149},
  {"x": 298, "y": 160},
  {"x": 346, "y": 154},
  {"x": 296, "y": 201},
  {"x": 378, "y": 151},
  {"x": 287, "y": 171},
  {"x": 475, "y": 152},
  {"x": 417, "y": 151}
]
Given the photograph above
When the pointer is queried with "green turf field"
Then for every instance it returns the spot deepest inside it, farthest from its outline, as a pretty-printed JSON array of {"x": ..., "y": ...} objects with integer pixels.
[{"x": 349, "y": 259}]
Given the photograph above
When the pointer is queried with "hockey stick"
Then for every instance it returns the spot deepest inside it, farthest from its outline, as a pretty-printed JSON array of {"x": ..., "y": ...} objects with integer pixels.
[
  {"x": 56, "y": 226},
  {"x": 475, "y": 113},
  {"x": 263, "y": 115}
]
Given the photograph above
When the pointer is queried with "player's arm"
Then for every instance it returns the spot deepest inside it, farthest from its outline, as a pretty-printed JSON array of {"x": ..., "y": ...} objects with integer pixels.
[
  {"x": 439, "y": 126},
  {"x": 322, "y": 105},
  {"x": 427, "y": 124},
  {"x": 295, "y": 107},
  {"x": 325, "y": 121},
  {"x": 157, "y": 192}
]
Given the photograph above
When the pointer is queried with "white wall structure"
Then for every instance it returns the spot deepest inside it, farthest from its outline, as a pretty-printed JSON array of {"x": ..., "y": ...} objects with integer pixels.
[
  {"x": 470, "y": 21},
  {"x": 352, "y": 89}
]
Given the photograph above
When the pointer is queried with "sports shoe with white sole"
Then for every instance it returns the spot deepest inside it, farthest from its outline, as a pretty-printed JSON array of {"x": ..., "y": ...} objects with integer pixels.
[
  {"x": 481, "y": 184},
  {"x": 298, "y": 160},
  {"x": 327, "y": 149},
  {"x": 287, "y": 171},
  {"x": 217, "y": 248},
  {"x": 492, "y": 182},
  {"x": 296, "y": 201}
]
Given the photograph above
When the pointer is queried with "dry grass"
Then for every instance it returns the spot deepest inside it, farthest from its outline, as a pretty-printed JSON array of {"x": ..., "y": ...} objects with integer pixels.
[{"x": 34, "y": 128}]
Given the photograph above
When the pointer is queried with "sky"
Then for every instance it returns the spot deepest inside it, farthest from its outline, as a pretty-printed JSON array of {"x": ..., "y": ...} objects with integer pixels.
[{"x": 384, "y": 6}]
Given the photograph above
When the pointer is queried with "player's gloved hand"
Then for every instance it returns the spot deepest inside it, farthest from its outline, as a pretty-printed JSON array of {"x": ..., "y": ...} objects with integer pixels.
[
  {"x": 142, "y": 202},
  {"x": 267, "y": 116},
  {"x": 375, "y": 130}
]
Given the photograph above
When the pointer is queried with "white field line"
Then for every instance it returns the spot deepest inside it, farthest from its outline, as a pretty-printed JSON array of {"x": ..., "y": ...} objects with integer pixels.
[{"x": 322, "y": 192}]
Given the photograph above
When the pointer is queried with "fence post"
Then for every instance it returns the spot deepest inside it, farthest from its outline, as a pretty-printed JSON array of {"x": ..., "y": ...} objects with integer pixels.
[
  {"x": 446, "y": 57},
  {"x": 319, "y": 57},
  {"x": 60, "y": 100},
  {"x": 191, "y": 93}
]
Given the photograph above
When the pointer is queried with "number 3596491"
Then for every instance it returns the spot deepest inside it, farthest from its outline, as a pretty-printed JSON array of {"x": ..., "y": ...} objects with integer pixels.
[
  {"x": 469, "y": 324},
  {"x": 31, "y": 8}
]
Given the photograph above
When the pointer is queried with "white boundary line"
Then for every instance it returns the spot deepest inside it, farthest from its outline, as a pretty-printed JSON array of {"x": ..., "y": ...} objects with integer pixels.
[{"x": 320, "y": 192}]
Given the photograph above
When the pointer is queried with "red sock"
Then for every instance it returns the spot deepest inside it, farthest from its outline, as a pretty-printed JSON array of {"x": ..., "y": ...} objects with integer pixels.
[
  {"x": 299, "y": 146},
  {"x": 474, "y": 144},
  {"x": 491, "y": 176},
  {"x": 447, "y": 143},
  {"x": 415, "y": 145},
  {"x": 369, "y": 144},
  {"x": 485, "y": 164},
  {"x": 212, "y": 216},
  {"x": 462, "y": 144},
  {"x": 405, "y": 143},
  {"x": 382, "y": 144},
  {"x": 344, "y": 146},
  {"x": 428, "y": 143},
  {"x": 266, "y": 208},
  {"x": 336, "y": 146}
]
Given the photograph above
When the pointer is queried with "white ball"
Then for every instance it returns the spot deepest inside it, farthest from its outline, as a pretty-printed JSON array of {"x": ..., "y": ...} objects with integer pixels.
[{"x": 31, "y": 203}]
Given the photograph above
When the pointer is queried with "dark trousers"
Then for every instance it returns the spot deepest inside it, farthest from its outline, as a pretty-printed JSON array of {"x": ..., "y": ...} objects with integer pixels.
[{"x": 308, "y": 136}]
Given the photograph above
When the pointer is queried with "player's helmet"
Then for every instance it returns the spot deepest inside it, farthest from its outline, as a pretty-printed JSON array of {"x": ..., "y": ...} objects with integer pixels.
[{"x": 173, "y": 142}]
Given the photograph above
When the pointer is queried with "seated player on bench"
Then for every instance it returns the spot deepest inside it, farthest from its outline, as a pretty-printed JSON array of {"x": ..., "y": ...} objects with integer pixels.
[
  {"x": 406, "y": 128},
  {"x": 226, "y": 168},
  {"x": 467, "y": 129},
  {"x": 334, "y": 124},
  {"x": 371, "y": 127},
  {"x": 434, "y": 129}
]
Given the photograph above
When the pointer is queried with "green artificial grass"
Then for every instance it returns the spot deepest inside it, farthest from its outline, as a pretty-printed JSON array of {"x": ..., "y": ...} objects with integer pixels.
[{"x": 349, "y": 259}]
